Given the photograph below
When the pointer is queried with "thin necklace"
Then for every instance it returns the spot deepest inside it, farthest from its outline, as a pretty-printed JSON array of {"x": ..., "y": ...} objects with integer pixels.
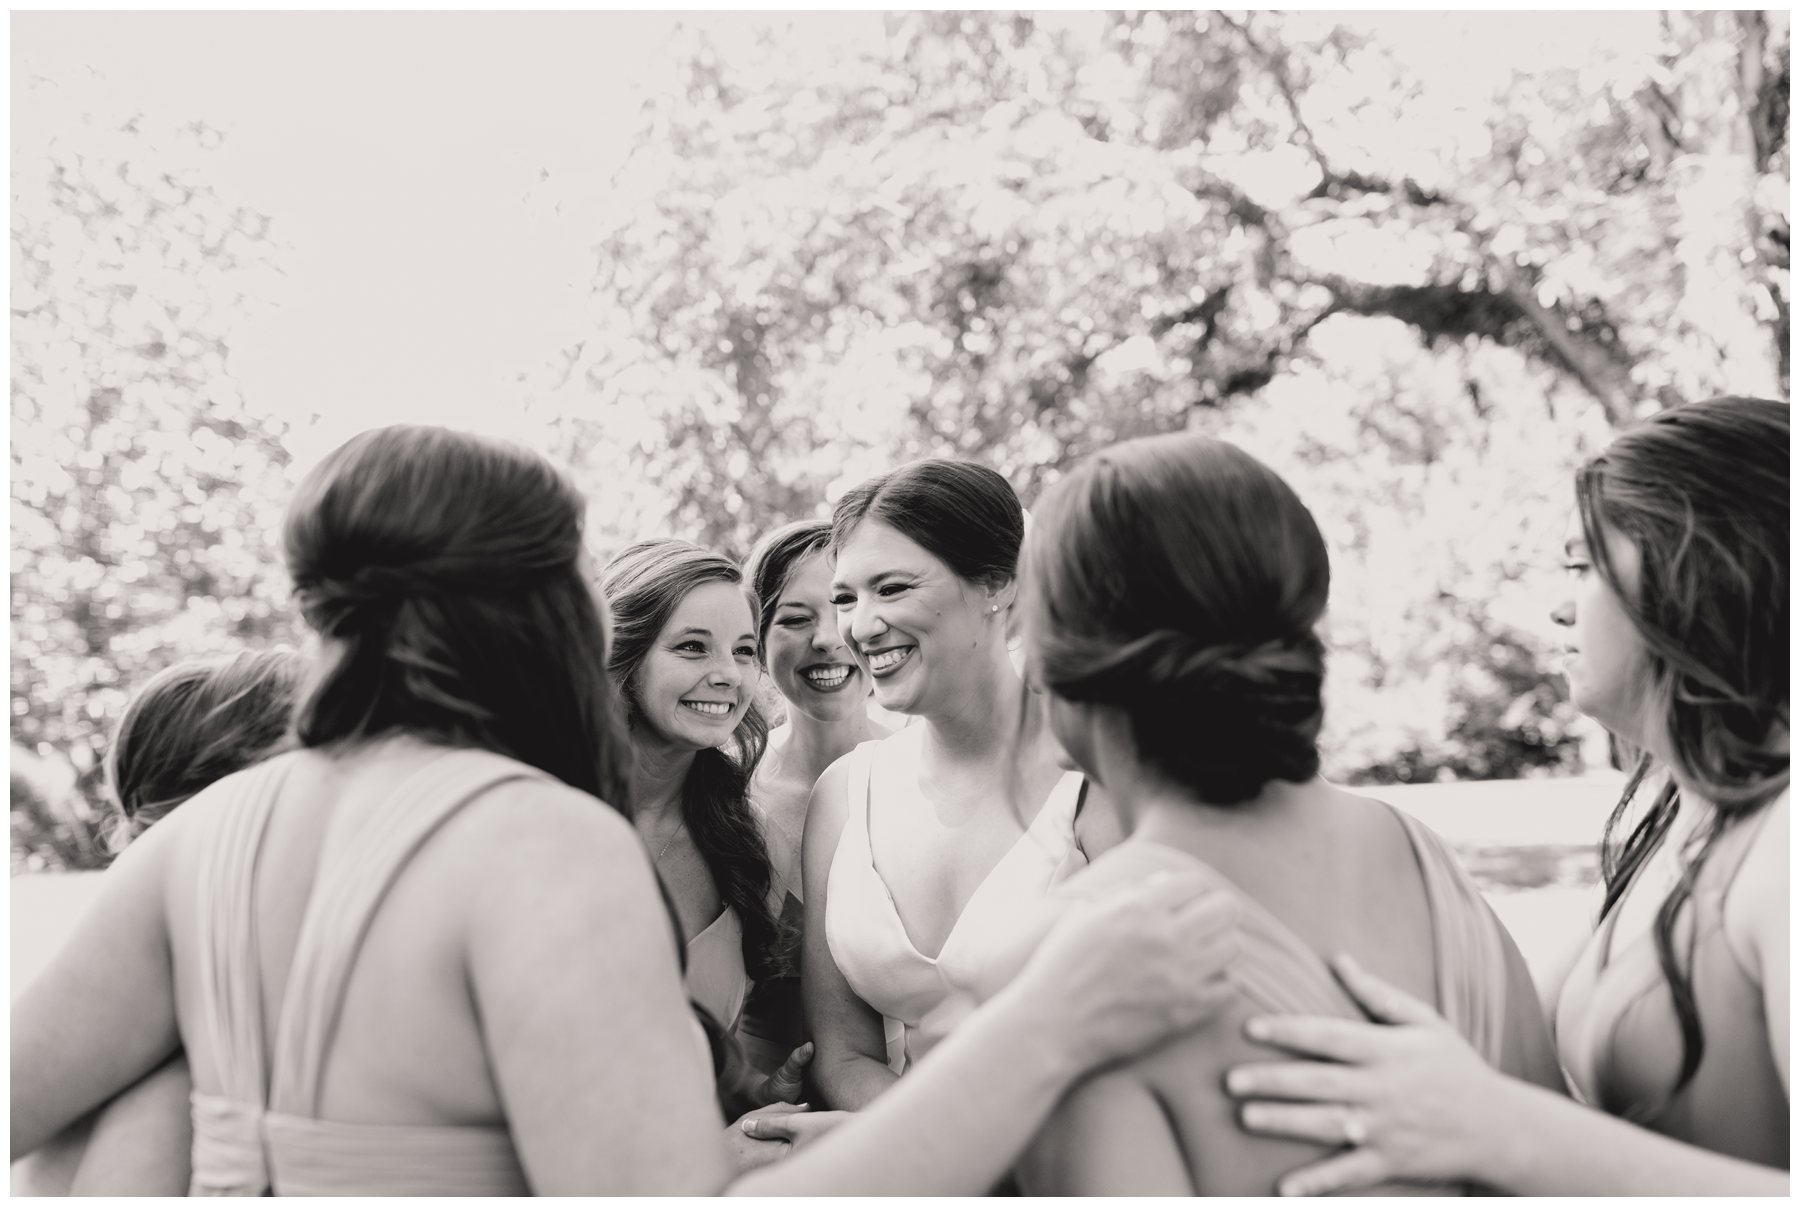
[{"x": 679, "y": 826}]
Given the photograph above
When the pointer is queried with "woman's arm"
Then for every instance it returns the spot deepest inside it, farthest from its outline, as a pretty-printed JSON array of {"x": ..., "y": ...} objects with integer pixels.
[
  {"x": 1430, "y": 1109},
  {"x": 849, "y": 1041},
  {"x": 102, "y": 1013},
  {"x": 143, "y": 1141},
  {"x": 1110, "y": 1136},
  {"x": 1111, "y": 979},
  {"x": 568, "y": 942}
]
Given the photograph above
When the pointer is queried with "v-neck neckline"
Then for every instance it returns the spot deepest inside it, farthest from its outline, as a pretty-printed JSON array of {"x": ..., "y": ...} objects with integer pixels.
[{"x": 968, "y": 906}]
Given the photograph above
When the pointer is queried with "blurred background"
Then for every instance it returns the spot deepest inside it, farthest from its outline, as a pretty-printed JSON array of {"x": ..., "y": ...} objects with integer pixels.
[{"x": 726, "y": 265}]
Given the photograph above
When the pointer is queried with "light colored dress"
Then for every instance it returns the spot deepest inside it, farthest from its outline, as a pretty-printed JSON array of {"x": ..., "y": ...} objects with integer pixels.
[
  {"x": 262, "y": 1134},
  {"x": 716, "y": 977},
  {"x": 922, "y": 999},
  {"x": 1480, "y": 981},
  {"x": 1620, "y": 1042}
]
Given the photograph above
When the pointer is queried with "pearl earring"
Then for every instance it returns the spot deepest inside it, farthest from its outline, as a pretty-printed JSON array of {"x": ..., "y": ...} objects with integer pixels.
[{"x": 993, "y": 607}]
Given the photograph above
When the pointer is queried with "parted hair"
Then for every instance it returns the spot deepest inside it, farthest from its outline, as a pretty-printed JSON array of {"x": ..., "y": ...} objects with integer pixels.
[
  {"x": 1180, "y": 580},
  {"x": 644, "y": 583},
  {"x": 773, "y": 559},
  {"x": 444, "y": 571},
  {"x": 1701, "y": 491},
  {"x": 965, "y": 515},
  {"x": 195, "y": 723}
]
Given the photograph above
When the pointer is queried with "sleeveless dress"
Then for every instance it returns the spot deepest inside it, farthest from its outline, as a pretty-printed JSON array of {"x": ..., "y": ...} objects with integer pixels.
[
  {"x": 922, "y": 999},
  {"x": 1620, "y": 1043},
  {"x": 1279, "y": 973},
  {"x": 716, "y": 977},
  {"x": 262, "y": 1134}
]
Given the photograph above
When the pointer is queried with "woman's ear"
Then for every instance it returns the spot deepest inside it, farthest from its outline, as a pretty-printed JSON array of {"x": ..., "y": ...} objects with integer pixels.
[{"x": 1000, "y": 594}]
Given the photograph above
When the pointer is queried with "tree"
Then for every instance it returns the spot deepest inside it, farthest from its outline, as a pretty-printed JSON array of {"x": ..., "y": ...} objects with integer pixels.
[
  {"x": 1022, "y": 238},
  {"x": 146, "y": 496}
]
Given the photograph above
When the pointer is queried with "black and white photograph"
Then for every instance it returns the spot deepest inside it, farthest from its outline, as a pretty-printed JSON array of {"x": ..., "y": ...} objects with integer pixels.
[{"x": 900, "y": 602}]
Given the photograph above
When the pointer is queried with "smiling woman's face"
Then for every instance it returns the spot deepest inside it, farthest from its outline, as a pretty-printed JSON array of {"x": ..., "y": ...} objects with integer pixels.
[
  {"x": 912, "y": 624},
  {"x": 808, "y": 660},
  {"x": 694, "y": 685}
]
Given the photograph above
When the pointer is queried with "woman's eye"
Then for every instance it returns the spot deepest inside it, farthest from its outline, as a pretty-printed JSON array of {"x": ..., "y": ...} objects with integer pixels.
[
  {"x": 793, "y": 622},
  {"x": 745, "y": 651},
  {"x": 843, "y": 601},
  {"x": 1576, "y": 569},
  {"x": 690, "y": 647},
  {"x": 891, "y": 589}
]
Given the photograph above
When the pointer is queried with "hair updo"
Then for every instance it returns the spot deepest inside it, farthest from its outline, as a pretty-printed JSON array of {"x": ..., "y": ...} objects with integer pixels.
[
  {"x": 1179, "y": 579},
  {"x": 444, "y": 571},
  {"x": 965, "y": 515},
  {"x": 192, "y": 725},
  {"x": 773, "y": 561}
]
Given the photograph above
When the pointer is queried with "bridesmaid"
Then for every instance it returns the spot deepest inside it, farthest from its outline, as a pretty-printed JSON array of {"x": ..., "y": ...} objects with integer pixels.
[
  {"x": 1673, "y": 1023},
  {"x": 1174, "y": 586},
  {"x": 923, "y": 848},
  {"x": 684, "y": 661},
  {"x": 827, "y": 696},
  {"x": 192, "y": 724}
]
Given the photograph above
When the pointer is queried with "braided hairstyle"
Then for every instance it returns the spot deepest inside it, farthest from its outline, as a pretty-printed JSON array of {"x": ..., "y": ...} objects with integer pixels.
[
  {"x": 193, "y": 724},
  {"x": 644, "y": 583},
  {"x": 1179, "y": 579},
  {"x": 444, "y": 571},
  {"x": 1701, "y": 491}
]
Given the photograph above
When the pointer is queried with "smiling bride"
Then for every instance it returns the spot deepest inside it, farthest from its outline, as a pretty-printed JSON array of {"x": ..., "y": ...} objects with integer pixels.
[{"x": 923, "y": 849}]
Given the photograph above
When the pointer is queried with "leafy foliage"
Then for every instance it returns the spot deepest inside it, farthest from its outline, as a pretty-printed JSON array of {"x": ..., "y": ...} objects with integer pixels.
[
  {"x": 1022, "y": 238},
  {"x": 995, "y": 235},
  {"x": 146, "y": 495}
]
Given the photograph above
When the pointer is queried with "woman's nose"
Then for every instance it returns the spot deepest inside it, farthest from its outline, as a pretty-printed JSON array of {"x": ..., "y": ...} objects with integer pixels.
[
  {"x": 1563, "y": 614},
  {"x": 825, "y": 636},
  {"x": 865, "y": 623}
]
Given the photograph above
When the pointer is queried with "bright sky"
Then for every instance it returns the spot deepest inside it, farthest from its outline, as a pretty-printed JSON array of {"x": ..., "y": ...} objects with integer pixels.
[{"x": 439, "y": 179}]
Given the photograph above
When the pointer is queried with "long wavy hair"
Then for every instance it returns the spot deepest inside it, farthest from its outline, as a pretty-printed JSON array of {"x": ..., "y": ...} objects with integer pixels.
[
  {"x": 643, "y": 584},
  {"x": 1180, "y": 580},
  {"x": 1701, "y": 491},
  {"x": 443, "y": 570},
  {"x": 195, "y": 723}
]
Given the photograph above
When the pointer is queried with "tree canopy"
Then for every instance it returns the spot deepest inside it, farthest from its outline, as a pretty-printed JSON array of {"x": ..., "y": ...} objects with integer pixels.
[{"x": 1003, "y": 236}]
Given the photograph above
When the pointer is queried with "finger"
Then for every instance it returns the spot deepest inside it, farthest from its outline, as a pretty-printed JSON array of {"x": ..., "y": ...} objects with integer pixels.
[
  {"x": 1382, "y": 1001},
  {"x": 1299, "y": 1081},
  {"x": 798, "y": 1127},
  {"x": 788, "y": 1082},
  {"x": 1353, "y": 1170},
  {"x": 1319, "y": 1124},
  {"x": 1204, "y": 1005},
  {"x": 1165, "y": 891},
  {"x": 1339, "y": 1039},
  {"x": 1214, "y": 911},
  {"x": 753, "y": 1121}
]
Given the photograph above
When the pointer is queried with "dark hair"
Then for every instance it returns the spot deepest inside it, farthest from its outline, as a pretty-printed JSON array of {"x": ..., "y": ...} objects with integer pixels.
[
  {"x": 773, "y": 559},
  {"x": 444, "y": 570},
  {"x": 1701, "y": 491},
  {"x": 195, "y": 723},
  {"x": 644, "y": 584},
  {"x": 965, "y": 515},
  {"x": 1179, "y": 579}
]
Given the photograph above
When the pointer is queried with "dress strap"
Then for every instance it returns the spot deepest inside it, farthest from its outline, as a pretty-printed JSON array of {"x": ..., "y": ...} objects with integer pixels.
[
  {"x": 231, "y": 1004},
  {"x": 355, "y": 873},
  {"x": 1471, "y": 957},
  {"x": 862, "y": 797}
]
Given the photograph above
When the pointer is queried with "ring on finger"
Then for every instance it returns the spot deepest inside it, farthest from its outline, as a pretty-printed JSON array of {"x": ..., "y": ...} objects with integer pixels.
[{"x": 1356, "y": 1126}]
